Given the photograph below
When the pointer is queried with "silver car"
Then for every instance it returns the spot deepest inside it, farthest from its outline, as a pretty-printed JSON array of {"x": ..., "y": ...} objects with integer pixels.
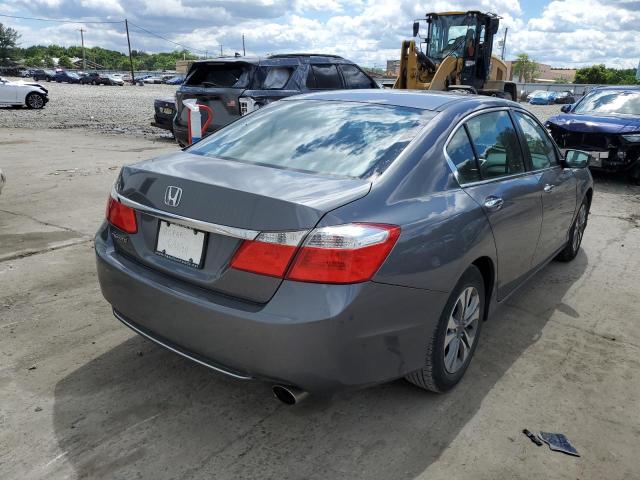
[{"x": 337, "y": 240}]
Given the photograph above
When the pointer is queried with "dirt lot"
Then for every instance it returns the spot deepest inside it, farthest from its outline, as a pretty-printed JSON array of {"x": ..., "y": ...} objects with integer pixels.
[{"x": 83, "y": 397}]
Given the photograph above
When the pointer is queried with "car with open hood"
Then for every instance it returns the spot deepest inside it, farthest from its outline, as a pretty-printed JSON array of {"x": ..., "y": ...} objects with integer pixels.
[
  {"x": 336, "y": 240},
  {"x": 606, "y": 123},
  {"x": 20, "y": 93},
  {"x": 235, "y": 86}
]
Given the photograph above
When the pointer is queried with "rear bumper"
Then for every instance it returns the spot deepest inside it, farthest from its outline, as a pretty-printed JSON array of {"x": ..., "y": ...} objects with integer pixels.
[{"x": 321, "y": 338}]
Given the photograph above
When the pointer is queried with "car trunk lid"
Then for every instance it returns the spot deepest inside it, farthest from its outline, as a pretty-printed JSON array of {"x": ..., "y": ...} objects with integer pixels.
[{"x": 248, "y": 198}]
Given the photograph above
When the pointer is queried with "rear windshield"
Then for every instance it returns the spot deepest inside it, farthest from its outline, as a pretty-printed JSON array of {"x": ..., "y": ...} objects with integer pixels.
[
  {"x": 610, "y": 102},
  {"x": 226, "y": 75},
  {"x": 336, "y": 138}
]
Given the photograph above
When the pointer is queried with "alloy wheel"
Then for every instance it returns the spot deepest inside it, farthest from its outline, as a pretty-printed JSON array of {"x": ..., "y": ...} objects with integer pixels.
[
  {"x": 35, "y": 101},
  {"x": 578, "y": 228},
  {"x": 461, "y": 329}
]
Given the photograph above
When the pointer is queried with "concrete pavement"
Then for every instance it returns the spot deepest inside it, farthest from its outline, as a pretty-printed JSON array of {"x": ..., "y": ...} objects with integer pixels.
[{"x": 83, "y": 397}]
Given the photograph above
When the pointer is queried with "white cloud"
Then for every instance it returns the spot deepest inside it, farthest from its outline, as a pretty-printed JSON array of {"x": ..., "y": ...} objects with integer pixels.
[{"x": 564, "y": 33}]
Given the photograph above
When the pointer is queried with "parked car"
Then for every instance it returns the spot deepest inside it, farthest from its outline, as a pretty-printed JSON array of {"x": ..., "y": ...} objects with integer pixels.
[
  {"x": 164, "y": 110},
  {"x": 235, "y": 86},
  {"x": 152, "y": 79},
  {"x": 68, "y": 77},
  {"x": 40, "y": 74},
  {"x": 564, "y": 97},
  {"x": 94, "y": 78},
  {"x": 3, "y": 180},
  {"x": 531, "y": 94},
  {"x": 341, "y": 239},
  {"x": 20, "y": 93},
  {"x": 542, "y": 98},
  {"x": 606, "y": 123},
  {"x": 113, "y": 79},
  {"x": 177, "y": 80}
]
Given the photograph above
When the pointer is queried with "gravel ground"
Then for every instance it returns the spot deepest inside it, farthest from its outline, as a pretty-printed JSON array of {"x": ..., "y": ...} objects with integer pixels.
[
  {"x": 122, "y": 110},
  {"x": 110, "y": 109}
]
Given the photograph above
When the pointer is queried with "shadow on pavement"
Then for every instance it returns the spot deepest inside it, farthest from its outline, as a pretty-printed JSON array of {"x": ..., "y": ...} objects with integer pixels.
[{"x": 139, "y": 411}]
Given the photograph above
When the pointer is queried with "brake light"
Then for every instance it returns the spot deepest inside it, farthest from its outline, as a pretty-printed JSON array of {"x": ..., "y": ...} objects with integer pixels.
[
  {"x": 344, "y": 253},
  {"x": 269, "y": 254},
  {"x": 349, "y": 253},
  {"x": 121, "y": 216}
]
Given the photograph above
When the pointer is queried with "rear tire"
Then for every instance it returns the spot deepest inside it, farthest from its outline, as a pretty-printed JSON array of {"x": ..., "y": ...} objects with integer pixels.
[
  {"x": 572, "y": 247},
  {"x": 34, "y": 101},
  {"x": 451, "y": 346}
]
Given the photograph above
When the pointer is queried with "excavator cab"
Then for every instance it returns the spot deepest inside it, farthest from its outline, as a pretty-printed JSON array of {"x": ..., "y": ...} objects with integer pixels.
[{"x": 455, "y": 54}]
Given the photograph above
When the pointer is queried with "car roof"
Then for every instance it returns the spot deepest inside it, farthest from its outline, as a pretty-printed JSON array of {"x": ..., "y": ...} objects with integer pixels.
[
  {"x": 278, "y": 59},
  {"x": 422, "y": 99},
  {"x": 618, "y": 87}
]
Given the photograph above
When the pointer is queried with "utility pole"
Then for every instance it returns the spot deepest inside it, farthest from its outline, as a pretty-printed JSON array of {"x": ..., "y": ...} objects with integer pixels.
[
  {"x": 126, "y": 26},
  {"x": 221, "y": 50},
  {"x": 504, "y": 42},
  {"x": 244, "y": 52},
  {"x": 84, "y": 61}
]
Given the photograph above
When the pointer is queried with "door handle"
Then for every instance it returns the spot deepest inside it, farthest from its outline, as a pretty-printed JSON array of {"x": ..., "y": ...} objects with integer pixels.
[
  {"x": 493, "y": 203},
  {"x": 548, "y": 187}
]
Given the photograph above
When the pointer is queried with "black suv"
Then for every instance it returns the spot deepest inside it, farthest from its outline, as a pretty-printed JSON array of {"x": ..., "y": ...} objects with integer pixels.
[
  {"x": 235, "y": 86},
  {"x": 94, "y": 78}
]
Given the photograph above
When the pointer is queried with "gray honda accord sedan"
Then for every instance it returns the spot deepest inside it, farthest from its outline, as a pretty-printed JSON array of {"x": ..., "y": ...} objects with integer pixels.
[{"x": 338, "y": 240}]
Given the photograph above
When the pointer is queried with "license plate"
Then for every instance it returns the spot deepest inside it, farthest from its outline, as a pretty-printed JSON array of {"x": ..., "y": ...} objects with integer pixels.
[
  {"x": 179, "y": 243},
  {"x": 167, "y": 111}
]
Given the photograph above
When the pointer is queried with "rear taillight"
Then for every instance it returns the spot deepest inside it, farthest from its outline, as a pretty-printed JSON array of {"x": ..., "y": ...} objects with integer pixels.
[
  {"x": 269, "y": 254},
  {"x": 121, "y": 216},
  {"x": 349, "y": 253}
]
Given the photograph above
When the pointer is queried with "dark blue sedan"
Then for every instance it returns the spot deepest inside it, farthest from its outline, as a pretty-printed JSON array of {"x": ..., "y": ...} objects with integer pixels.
[{"x": 606, "y": 122}]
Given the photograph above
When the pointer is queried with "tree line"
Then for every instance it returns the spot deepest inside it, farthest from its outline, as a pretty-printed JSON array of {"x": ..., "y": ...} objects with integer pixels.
[
  {"x": 525, "y": 69},
  {"x": 42, "y": 56}
]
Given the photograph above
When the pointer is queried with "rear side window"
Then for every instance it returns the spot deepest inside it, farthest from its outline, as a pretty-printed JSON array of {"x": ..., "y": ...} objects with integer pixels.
[
  {"x": 272, "y": 78},
  {"x": 231, "y": 75},
  {"x": 355, "y": 78},
  {"x": 347, "y": 139},
  {"x": 541, "y": 150},
  {"x": 461, "y": 154},
  {"x": 496, "y": 143},
  {"x": 324, "y": 77}
]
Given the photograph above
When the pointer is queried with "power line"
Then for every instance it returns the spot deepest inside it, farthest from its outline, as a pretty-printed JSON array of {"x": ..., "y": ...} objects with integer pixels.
[
  {"x": 186, "y": 47},
  {"x": 59, "y": 20}
]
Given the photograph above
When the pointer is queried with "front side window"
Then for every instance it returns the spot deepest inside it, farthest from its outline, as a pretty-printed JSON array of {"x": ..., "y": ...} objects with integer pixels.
[
  {"x": 496, "y": 143},
  {"x": 461, "y": 154},
  {"x": 355, "y": 78},
  {"x": 336, "y": 138},
  {"x": 324, "y": 77},
  {"x": 541, "y": 149}
]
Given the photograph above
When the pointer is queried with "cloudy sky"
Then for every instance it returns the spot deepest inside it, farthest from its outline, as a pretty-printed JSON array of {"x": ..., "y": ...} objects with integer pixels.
[{"x": 562, "y": 33}]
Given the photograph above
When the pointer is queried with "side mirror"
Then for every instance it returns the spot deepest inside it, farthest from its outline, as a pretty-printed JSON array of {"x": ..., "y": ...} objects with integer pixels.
[
  {"x": 566, "y": 108},
  {"x": 416, "y": 28},
  {"x": 576, "y": 159}
]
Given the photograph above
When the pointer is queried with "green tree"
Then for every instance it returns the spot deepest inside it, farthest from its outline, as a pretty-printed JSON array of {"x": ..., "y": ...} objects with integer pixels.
[
  {"x": 525, "y": 67},
  {"x": 65, "y": 62},
  {"x": 8, "y": 44},
  {"x": 592, "y": 74}
]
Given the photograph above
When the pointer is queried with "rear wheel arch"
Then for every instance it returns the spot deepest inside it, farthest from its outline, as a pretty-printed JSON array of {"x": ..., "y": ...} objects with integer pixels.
[{"x": 488, "y": 271}]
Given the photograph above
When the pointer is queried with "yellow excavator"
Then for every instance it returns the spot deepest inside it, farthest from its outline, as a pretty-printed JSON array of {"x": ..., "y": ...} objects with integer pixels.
[{"x": 455, "y": 55}]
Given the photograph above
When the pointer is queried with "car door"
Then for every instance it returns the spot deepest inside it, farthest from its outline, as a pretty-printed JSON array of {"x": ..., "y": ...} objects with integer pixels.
[
  {"x": 557, "y": 186},
  {"x": 324, "y": 77},
  {"x": 493, "y": 172},
  {"x": 8, "y": 92}
]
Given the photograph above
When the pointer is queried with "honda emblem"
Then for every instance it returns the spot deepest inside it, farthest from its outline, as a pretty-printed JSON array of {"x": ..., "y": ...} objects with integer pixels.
[{"x": 172, "y": 196}]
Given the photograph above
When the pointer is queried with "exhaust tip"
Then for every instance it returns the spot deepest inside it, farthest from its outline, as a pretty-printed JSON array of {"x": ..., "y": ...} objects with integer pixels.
[{"x": 289, "y": 395}]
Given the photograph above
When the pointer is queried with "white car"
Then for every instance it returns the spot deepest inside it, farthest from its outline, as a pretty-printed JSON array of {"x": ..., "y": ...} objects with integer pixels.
[{"x": 20, "y": 93}]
